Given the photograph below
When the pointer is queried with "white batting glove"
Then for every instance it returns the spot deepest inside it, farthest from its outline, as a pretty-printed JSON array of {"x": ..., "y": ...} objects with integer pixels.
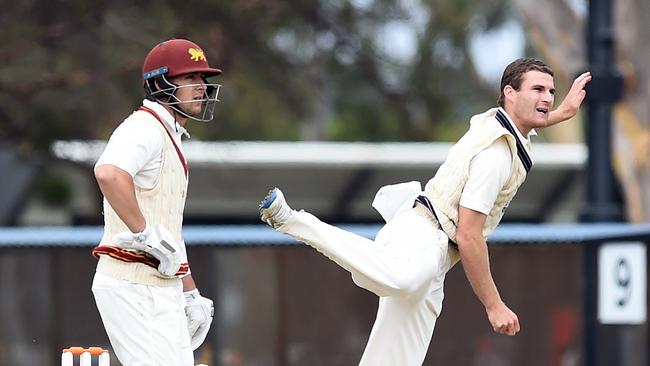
[
  {"x": 156, "y": 241},
  {"x": 199, "y": 311}
]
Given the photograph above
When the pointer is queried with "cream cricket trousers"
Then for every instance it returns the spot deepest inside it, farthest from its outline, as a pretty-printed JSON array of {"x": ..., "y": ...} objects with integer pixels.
[
  {"x": 145, "y": 324},
  {"x": 405, "y": 266}
]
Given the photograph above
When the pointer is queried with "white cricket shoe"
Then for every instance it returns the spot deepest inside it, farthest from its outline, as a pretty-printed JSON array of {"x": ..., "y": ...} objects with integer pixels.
[{"x": 274, "y": 209}]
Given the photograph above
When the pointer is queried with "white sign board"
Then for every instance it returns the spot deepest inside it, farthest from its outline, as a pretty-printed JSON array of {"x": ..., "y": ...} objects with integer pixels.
[{"x": 622, "y": 283}]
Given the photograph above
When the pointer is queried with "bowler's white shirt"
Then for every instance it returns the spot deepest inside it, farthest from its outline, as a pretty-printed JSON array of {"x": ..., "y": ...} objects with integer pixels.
[
  {"x": 136, "y": 146},
  {"x": 488, "y": 172}
]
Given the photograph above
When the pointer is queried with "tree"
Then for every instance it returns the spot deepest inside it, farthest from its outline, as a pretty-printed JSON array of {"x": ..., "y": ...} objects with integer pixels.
[
  {"x": 294, "y": 69},
  {"x": 382, "y": 70}
]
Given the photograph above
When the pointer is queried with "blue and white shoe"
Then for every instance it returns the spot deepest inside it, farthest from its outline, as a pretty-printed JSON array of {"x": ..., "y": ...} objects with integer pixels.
[{"x": 274, "y": 209}]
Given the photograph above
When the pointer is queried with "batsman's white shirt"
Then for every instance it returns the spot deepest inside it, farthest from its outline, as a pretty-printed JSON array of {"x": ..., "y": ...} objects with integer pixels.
[{"x": 134, "y": 149}]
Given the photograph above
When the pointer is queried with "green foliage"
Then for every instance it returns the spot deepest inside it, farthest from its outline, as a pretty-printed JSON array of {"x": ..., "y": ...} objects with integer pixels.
[
  {"x": 71, "y": 69},
  {"x": 53, "y": 190}
]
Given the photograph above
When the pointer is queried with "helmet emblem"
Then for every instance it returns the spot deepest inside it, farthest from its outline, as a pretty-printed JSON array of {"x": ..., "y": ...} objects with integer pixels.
[{"x": 196, "y": 54}]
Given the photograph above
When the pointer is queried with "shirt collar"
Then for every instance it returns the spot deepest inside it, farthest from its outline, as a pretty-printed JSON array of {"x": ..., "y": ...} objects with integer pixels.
[
  {"x": 170, "y": 123},
  {"x": 526, "y": 139}
]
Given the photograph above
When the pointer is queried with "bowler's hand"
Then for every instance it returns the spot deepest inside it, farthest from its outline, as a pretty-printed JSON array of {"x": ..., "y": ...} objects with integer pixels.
[
  {"x": 571, "y": 103},
  {"x": 503, "y": 320}
]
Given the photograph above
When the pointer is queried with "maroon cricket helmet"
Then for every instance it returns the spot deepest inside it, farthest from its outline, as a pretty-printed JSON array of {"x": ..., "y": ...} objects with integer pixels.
[{"x": 176, "y": 57}]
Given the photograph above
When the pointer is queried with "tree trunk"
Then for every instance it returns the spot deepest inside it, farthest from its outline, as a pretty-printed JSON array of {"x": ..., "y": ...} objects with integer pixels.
[
  {"x": 557, "y": 33},
  {"x": 632, "y": 115}
]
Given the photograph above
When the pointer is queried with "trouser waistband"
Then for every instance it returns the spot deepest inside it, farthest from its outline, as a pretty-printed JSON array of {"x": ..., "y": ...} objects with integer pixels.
[{"x": 423, "y": 204}]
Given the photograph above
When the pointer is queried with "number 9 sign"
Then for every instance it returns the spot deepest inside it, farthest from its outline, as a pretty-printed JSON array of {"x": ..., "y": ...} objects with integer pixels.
[{"x": 622, "y": 283}]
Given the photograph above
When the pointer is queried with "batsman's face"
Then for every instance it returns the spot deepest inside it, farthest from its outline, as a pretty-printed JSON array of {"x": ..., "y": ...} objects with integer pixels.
[
  {"x": 532, "y": 103},
  {"x": 190, "y": 92}
]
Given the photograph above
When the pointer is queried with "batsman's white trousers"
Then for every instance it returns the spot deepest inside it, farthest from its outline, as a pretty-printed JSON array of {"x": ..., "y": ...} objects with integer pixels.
[
  {"x": 145, "y": 324},
  {"x": 405, "y": 266}
]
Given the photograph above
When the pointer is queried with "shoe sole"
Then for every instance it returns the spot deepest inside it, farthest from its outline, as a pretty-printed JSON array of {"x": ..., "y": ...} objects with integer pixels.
[
  {"x": 269, "y": 199},
  {"x": 267, "y": 208}
]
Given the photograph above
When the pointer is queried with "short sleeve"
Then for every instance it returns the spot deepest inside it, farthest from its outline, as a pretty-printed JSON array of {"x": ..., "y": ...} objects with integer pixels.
[
  {"x": 488, "y": 172},
  {"x": 133, "y": 146}
]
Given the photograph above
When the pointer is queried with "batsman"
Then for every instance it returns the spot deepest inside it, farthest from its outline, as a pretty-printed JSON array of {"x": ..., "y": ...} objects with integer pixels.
[
  {"x": 151, "y": 309},
  {"x": 427, "y": 232}
]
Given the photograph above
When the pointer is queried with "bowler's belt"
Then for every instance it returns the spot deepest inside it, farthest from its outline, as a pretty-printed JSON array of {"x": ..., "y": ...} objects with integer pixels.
[{"x": 423, "y": 205}]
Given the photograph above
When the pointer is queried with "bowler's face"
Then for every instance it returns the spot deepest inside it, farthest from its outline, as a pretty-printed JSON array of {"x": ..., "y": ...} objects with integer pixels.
[{"x": 532, "y": 103}]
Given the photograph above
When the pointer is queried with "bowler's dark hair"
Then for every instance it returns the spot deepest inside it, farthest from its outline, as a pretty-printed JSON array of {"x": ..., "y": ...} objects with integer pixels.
[{"x": 513, "y": 75}]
